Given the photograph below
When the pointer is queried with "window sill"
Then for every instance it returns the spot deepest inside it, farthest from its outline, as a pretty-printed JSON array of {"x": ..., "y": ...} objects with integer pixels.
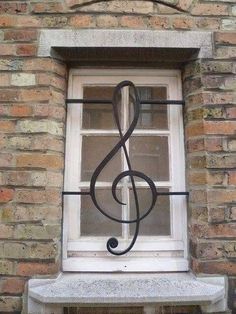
[{"x": 49, "y": 295}]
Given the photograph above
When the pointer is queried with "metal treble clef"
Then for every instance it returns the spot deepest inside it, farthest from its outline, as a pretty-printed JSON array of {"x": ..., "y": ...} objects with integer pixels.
[{"x": 113, "y": 243}]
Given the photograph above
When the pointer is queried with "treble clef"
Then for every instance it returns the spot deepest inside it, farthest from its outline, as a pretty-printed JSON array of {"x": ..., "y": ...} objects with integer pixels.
[{"x": 113, "y": 242}]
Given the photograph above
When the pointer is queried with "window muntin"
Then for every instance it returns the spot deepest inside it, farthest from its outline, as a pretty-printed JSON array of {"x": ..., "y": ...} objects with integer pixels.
[{"x": 158, "y": 138}]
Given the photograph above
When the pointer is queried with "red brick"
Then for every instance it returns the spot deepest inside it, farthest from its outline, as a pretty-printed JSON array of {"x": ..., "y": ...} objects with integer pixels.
[
  {"x": 7, "y": 49},
  {"x": 210, "y": 9},
  {"x": 232, "y": 177},
  {"x": 9, "y": 95},
  {"x": 221, "y": 196},
  {"x": 26, "y": 50},
  {"x": 13, "y": 7},
  {"x": 197, "y": 178},
  {"x": 27, "y": 21},
  {"x": 50, "y": 7},
  {"x": 183, "y": 23},
  {"x": 208, "y": 23},
  {"x": 13, "y": 285},
  {"x": 194, "y": 129},
  {"x": 195, "y": 145},
  {"x": 226, "y": 38},
  {"x": 37, "y": 94},
  {"x": 223, "y": 230},
  {"x": 20, "y": 111},
  {"x": 6, "y": 160},
  {"x": 132, "y": 22},
  {"x": 220, "y": 127},
  {"x": 159, "y": 22},
  {"x": 30, "y": 196},
  {"x": 231, "y": 113},
  {"x": 223, "y": 267},
  {"x": 20, "y": 35},
  {"x": 7, "y": 21},
  {"x": 39, "y": 161},
  {"x": 7, "y": 126},
  {"x": 30, "y": 269},
  {"x": 6, "y": 195},
  {"x": 82, "y": 21},
  {"x": 214, "y": 144}
]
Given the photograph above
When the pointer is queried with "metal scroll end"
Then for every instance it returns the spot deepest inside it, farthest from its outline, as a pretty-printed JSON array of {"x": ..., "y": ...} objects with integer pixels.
[{"x": 112, "y": 243}]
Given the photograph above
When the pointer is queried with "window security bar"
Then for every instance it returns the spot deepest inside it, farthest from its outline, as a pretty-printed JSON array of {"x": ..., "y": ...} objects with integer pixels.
[
  {"x": 113, "y": 242},
  {"x": 109, "y": 102}
]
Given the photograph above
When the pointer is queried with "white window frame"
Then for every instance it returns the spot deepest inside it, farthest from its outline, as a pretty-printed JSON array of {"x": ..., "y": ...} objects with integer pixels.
[{"x": 164, "y": 253}]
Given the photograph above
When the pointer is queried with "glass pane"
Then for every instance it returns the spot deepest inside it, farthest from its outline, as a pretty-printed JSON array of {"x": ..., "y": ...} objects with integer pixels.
[
  {"x": 157, "y": 223},
  {"x": 152, "y": 116},
  {"x": 94, "y": 223},
  {"x": 98, "y": 116},
  {"x": 150, "y": 155},
  {"x": 94, "y": 150}
]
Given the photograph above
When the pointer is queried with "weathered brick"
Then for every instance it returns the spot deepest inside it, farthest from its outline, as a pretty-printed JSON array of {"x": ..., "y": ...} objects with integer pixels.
[
  {"x": 7, "y": 21},
  {"x": 10, "y": 304},
  {"x": 6, "y": 195},
  {"x": 228, "y": 24},
  {"x": 223, "y": 267},
  {"x": 226, "y": 52},
  {"x": 232, "y": 145},
  {"x": 5, "y": 79},
  {"x": 208, "y": 251},
  {"x": 26, "y": 178},
  {"x": 43, "y": 126},
  {"x": 31, "y": 212},
  {"x": 36, "y": 94},
  {"x": 159, "y": 22},
  {"x": 37, "y": 232},
  {"x": 6, "y": 160},
  {"x": 214, "y": 144},
  {"x": 7, "y": 50},
  {"x": 221, "y": 161},
  {"x": 6, "y": 231},
  {"x": 217, "y": 214},
  {"x": 54, "y": 21},
  {"x": 50, "y": 7},
  {"x": 208, "y": 23},
  {"x": 217, "y": 67},
  {"x": 132, "y": 22},
  {"x": 13, "y": 7},
  {"x": 19, "y": 142},
  {"x": 7, "y": 126},
  {"x": 225, "y": 38},
  {"x": 27, "y": 21},
  {"x": 221, "y": 196},
  {"x": 18, "y": 110},
  {"x": 195, "y": 145},
  {"x": 26, "y": 49},
  {"x": 210, "y": 9},
  {"x": 197, "y": 178},
  {"x": 20, "y": 35},
  {"x": 232, "y": 177},
  {"x": 194, "y": 129},
  {"x": 220, "y": 127},
  {"x": 231, "y": 112},
  {"x": 23, "y": 79},
  {"x": 198, "y": 196},
  {"x": 29, "y": 269},
  {"x": 197, "y": 162},
  {"x": 107, "y": 21},
  {"x": 6, "y": 267},
  {"x": 13, "y": 285},
  {"x": 183, "y": 23},
  {"x": 215, "y": 178}
]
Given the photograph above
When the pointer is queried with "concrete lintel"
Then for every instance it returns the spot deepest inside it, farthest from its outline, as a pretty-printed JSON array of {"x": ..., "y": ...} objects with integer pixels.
[{"x": 125, "y": 38}]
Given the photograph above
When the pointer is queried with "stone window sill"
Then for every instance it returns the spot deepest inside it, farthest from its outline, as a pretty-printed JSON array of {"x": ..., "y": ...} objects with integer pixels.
[{"x": 148, "y": 290}]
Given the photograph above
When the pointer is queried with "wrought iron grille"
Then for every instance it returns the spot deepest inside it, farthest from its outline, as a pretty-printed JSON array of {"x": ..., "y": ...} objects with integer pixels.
[{"x": 113, "y": 243}]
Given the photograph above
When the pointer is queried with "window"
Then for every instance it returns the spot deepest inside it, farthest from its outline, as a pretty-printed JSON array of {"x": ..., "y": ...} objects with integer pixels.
[{"x": 155, "y": 148}]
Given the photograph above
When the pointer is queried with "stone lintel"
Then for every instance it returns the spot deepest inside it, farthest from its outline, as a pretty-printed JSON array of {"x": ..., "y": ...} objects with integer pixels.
[
  {"x": 145, "y": 290},
  {"x": 56, "y": 38}
]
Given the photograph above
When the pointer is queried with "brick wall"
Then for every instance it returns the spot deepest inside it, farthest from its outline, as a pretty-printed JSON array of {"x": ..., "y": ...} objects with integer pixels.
[{"x": 32, "y": 128}]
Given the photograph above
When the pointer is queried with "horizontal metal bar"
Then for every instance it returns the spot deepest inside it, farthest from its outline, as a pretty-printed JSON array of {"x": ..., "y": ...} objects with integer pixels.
[
  {"x": 162, "y": 193},
  {"x": 109, "y": 102},
  {"x": 75, "y": 193}
]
